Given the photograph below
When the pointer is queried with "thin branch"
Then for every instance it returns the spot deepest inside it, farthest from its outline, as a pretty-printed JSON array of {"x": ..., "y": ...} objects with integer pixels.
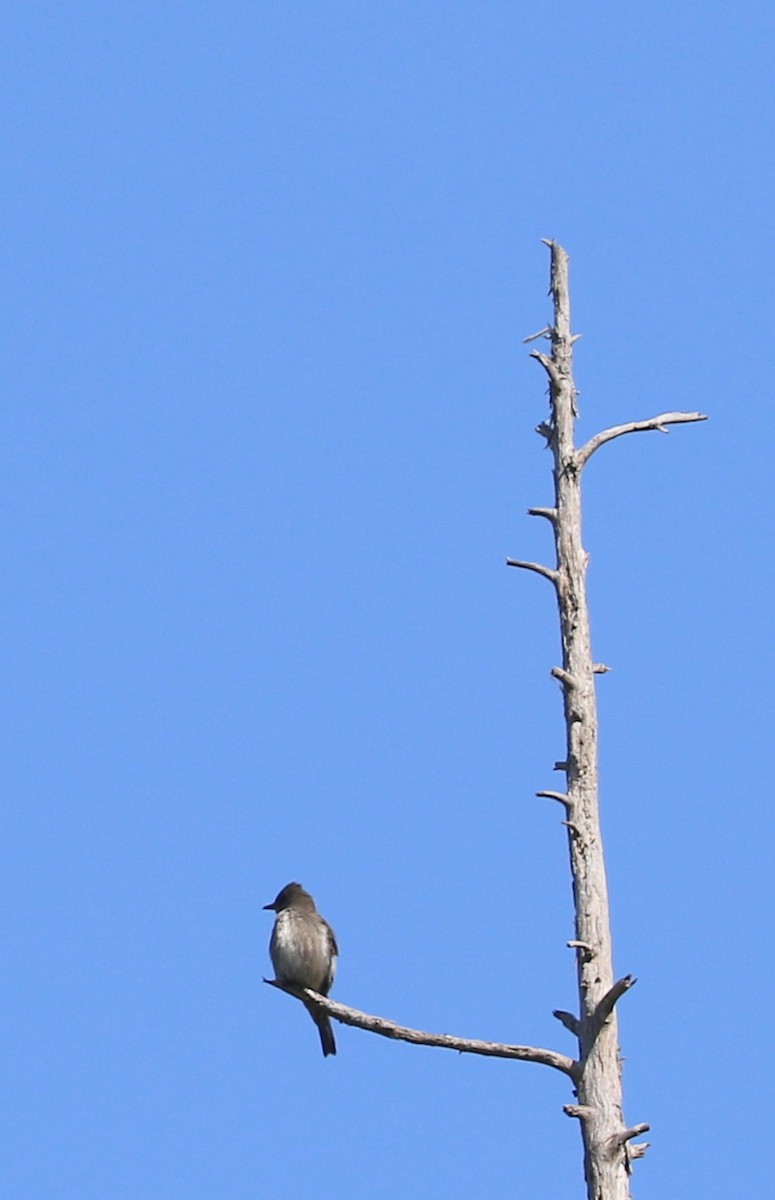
[
  {"x": 606, "y": 1005},
  {"x": 632, "y": 1150},
  {"x": 607, "y": 435},
  {"x": 547, "y": 572},
  {"x": 549, "y": 513},
  {"x": 584, "y": 947},
  {"x": 600, "y": 669},
  {"x": 626, "y": 1135},
  {"x": 548, "y": 365},
  {"x": 564, "y": 676},
  {"x": 385, "y": 1028},
  {"x": 533, "y": 337},
  {"x": 562, "y": 797},
  {"x": 636, "y": 1131},
  {"x": 567, "y": 1019}
]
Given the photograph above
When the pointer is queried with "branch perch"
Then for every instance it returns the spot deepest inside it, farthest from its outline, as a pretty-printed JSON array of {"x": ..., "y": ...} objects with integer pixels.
[{"x": 447, "y": 1041}]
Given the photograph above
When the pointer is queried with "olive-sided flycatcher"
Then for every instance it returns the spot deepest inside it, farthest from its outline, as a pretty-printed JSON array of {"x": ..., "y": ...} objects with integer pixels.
[{"x": 303, "y": 950}]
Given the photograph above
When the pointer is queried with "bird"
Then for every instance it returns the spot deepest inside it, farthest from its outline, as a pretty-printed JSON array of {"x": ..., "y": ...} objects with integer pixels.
[{"x": 303, "y": 950}]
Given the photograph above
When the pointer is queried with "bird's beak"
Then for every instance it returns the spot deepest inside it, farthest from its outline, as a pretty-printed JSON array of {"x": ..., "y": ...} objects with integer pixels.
[{"x": 268, "y": 906}]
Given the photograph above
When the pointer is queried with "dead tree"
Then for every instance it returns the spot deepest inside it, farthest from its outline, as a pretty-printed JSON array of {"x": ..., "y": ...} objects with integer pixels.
[
  {"x": 608, "y": 1140},
  {"x": 609, "y": 1145}
]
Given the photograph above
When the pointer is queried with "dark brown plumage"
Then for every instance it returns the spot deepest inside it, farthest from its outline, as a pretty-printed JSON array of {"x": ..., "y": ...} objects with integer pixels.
[{"x": 303, "y": 950}]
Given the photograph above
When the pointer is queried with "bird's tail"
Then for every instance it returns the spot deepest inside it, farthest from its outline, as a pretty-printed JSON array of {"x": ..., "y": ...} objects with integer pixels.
[{"x": 323, "y": 1022}]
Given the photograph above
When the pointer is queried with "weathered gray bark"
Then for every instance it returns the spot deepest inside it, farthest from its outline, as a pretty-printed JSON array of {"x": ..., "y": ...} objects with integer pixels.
[
  {"x": 596, "y": 1073},
  {"x": 608, "y": 1146}
]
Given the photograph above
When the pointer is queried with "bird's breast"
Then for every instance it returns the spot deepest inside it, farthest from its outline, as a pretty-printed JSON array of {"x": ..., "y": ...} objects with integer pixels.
[{"x": 301, "y": 952}]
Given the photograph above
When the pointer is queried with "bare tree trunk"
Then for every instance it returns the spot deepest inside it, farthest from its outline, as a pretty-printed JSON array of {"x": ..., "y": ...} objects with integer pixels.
[
  {"x": 608, "y": 1149},
  {"x": 600, "y": 1086}
]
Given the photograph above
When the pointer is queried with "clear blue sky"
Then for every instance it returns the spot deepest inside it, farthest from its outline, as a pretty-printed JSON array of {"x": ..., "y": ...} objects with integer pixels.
[{"x": 266, "y": 443}]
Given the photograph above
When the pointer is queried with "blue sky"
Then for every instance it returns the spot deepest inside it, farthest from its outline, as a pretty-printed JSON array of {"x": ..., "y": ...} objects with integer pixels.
[{"x": 266, "y": 443}]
